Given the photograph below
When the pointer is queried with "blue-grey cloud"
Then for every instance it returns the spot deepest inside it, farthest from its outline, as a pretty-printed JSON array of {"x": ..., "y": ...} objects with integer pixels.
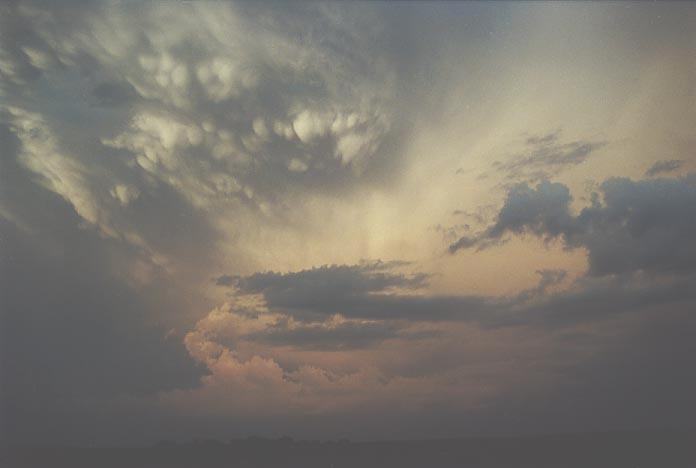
[
  {"x": 662, "y": 167},
  {"x": 73, "y": 327},
  {"x": 355, "y": 293},
  {"x": 341, "y": 336},
  {"x": 545, "y": 156},
  {"x": 137, "y": 139},
  {"x": 634, "y": 226}
]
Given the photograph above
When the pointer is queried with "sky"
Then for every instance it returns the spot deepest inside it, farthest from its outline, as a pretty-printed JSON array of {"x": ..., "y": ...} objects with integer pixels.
[{"x": 345, "y": 220}]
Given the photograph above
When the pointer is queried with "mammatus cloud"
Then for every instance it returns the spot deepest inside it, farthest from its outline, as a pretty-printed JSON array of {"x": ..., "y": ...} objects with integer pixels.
[
  {"x": 217, "y": 108},
  {"x": 630, "y": 226},
  {"x": 145, "y": 148}
]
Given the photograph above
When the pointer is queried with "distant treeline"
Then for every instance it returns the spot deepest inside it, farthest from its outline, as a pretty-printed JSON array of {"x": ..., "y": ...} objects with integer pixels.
[{"x": 612, "y": 450}]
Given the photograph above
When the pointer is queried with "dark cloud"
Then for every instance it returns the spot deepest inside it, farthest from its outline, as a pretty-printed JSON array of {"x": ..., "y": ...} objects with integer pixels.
[
  {"x": 215, "y": 127},
  {"x": 545, "y": 156},
  {"x": 662, "y": 167},
  {"x": 636, "y": 226},
  {"x": 312, "y": 295},
  {"x": 127, "y": 133},
  {"x": 323, "y": 288},
  {"x": 540, "y": 140},
  {"x": 641, "y": 378},
  {"x": 341, "y": 336},
  {"x": 597, "y": 338},
  {"x": 547, "y": 278},
  {"x": 225, "y": 280},
  {"x": 73, "y": 328},
  {"x": 370, "y": 291},
  {"x": 135, "y": 140},
  {"x": 113, "y": 94},
  {"x": 593, "y": 300}
]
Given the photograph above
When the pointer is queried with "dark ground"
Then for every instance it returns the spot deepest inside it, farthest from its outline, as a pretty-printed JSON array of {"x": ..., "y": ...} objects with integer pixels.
[{"x": 614, "y": 450}]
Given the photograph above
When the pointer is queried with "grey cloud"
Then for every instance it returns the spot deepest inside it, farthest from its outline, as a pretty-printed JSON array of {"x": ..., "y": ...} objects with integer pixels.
[
  {"x": 371, "y": 291},
  {"x": 638, "y": 226},
  {"x": 645, "y": 360},
  {"x": 313, "y": 294},
  {"x": 536, "y": 140},
  {"x": 113, "y": 94},
  {"x": 662, "y": 167},
  {"x": 129, "y": 130},
  {"x": 463, "y": 242},
  {"x": 543, "y": 211},
  {"x": 318, "y": 288},
  {"x": 247, "y": 120},
  {"x": 593, "y": 300},
  {"x": 347, "y": 335},
  {"x": 547, "y": 278},
  {"x": 225, "y": 280},
  {"x": 545, "y": 156},
  {"x": 73, "y": 327}
]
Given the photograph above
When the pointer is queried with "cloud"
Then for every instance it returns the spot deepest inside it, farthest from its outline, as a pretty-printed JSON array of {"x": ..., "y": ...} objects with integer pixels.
[
  {"x": 327, "y": 304},
  {"x": 545, "y": 156},
  {"x": 634, "y": 225},
  {"x": 147, "y": 147},
  {"x": 368, "y": 291},
  {"x": 226, "y": 108},
  {"x": 113, "y": 94},
  {"x": 337, "y": 333},
  {"x": 131, "y": 135},
  {"x": 76, "y": 310},
  {"x": 124, "y": 194},
  {"x": 308, "y": 378},
  {"x": 235, "y": 325},
  {"x": 239, "y": 377},
  {"x": 662, "y": 167},
  {"x": 341, "y": 279},
  {"x": 542, "y": 211},
  {"x": 547, "y": 279},
  {"x": 515, "y": 353}
]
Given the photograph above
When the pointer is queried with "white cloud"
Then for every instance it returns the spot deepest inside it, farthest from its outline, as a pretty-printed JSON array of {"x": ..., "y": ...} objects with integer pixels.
[
  {"x": 196, "y": 74},
  {"x": 297, "y": 165},
  {"x": 60, "y": 173},
  {"x": 125, "y": 194},
  {"x": 310, "y": 125}
]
